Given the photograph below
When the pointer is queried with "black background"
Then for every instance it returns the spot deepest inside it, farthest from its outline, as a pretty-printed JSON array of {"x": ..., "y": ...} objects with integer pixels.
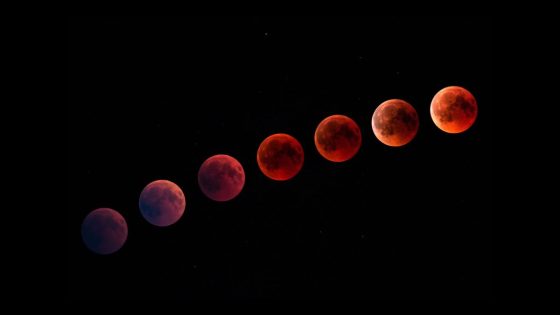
[{"x": 151, "y": 98}]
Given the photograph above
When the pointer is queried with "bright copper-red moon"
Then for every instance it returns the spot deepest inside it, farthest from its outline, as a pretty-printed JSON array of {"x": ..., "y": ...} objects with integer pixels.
[
  {"x": 395, "y": 122},
  {"x": 338, "y": 138},
  {"x": 454, "y": 109},
  {"x": 280, "y": 156}
]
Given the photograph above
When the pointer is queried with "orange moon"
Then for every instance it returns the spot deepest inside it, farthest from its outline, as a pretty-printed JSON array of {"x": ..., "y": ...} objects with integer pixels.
[
  {"x": 395, "y": 122},
  {"x": 338, "y": 138},
  {"x": 453, "y": 109},
  {"x": 280, "y": 156}
]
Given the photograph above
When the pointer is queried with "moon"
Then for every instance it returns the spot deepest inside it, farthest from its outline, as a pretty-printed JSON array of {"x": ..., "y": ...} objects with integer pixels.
[
  {"x": 104, "y": 231},
  {"x": 162, "y": 203},
  {"x": 454, "y": 109},
  {"x": 395, "y": 122},
  {"x": 338, "y": 138},
  {"x": 221, "y": 177},
  {"x": 280, "y": 156}
]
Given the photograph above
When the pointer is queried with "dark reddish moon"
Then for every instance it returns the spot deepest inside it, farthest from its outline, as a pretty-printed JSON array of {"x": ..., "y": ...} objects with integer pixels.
[
  {"x": 280, "y": 156},
  {"x": 104, "y": 231},
  {"x": 454, "y": 109},
  {"x": 395, "y": 122},
  {"x": 162, "y": 203},
  {"x": 221, "y": 177},
  {"x": 338, "y": 138}
]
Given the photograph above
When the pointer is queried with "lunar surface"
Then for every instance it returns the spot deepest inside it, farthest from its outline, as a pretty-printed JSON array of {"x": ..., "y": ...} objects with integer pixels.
[
  {"x": 280, "y": 157},
  {"x": 338, "y": 138},
  {"x": 221, "y": 177},
  {"x": 395, "y": 122},
  {"x": 104, "y": 231},
  {"x": 454, "y": 109},
  {"x": 162, "y": 203}
]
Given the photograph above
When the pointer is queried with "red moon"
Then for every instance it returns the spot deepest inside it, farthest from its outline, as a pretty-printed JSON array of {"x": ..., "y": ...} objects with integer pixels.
[
  {"x": 104, "y": 231},
  {"x": 162, "y": 203},
  {"x": 395, "y": 122},
  {"x": 280, "y": 156},
  {"x": 338, "y": 138},
  {"x": 454, "y": 109},
  {"x": 221, "y": 177}
]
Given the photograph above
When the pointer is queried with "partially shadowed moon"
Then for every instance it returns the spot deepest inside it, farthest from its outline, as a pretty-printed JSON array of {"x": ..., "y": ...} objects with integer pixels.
[
  {"x": 162, "y": 203},
  {"x": 338, "y": 138},
  {"x": 454, "y": 109},
  {"x": 221, "y": 177},
  {"x": 395, "y": 122},
  {"x": 104, "y": 231},
  {"x": 280, "y": 156}
]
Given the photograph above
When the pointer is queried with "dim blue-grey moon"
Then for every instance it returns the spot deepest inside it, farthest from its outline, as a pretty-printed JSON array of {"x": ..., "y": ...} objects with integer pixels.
[{"x": 104, "y": 231}]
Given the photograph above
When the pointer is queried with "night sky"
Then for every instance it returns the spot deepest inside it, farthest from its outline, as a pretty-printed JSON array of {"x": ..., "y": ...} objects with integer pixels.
[{"x": 152, "y": 98}]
